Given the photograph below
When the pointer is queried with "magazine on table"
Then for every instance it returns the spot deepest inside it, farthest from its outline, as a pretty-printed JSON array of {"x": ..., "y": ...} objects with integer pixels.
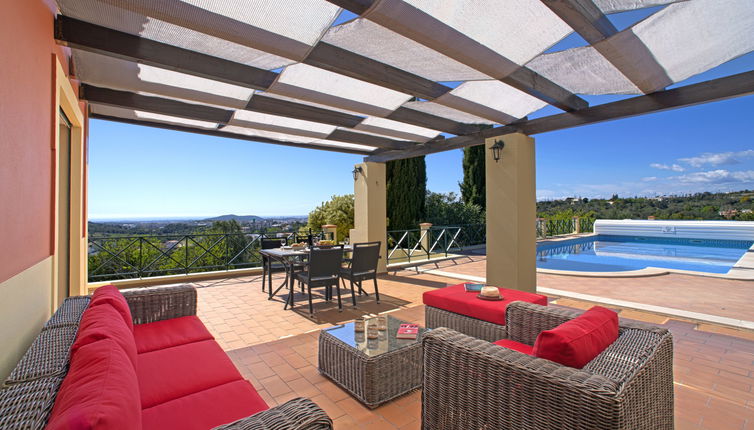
[{"x": 407, "y": 331}]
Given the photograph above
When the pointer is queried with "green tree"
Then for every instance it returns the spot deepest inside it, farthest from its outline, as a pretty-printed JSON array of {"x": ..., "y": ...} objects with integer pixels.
[
  {"x": 448, "y": 209},
  {"x": 473, "y": 184},
  {"x": 406, "y": 192},
  {"x": 338, "y": 211}
]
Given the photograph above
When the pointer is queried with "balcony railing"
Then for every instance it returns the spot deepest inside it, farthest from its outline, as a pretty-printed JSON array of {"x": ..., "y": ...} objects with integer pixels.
[
  {"x": 126, "y": 257},
  {"x": 437, "y": 241}
]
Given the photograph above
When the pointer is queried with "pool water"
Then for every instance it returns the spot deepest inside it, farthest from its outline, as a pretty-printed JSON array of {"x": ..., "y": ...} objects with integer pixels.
[{"x": 604, "y": 253}]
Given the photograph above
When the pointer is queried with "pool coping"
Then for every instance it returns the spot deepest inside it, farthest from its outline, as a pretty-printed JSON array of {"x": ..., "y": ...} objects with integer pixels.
[
  {"x": 661, "y": 310},
  {"x": 742, "y": 270}
]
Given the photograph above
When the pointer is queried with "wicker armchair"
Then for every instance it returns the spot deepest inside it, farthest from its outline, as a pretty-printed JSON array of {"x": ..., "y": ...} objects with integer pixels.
[
  {"x": 28, "y": 394},
  {"x": 473, "y": 384}
]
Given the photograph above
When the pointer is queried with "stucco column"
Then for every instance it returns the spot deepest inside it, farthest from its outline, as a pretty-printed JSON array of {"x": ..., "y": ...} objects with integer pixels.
[
  {"x": 576, "y": 225},
  {"x": 330, "y": 230},
  {"x": 511, "y": 214},
  {"x": 424, "y": 233},
  {"x": 370, "y": 208}
]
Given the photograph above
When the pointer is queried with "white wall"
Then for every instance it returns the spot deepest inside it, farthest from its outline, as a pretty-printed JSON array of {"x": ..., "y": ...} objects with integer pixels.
[{"x": 729, "y": 230}]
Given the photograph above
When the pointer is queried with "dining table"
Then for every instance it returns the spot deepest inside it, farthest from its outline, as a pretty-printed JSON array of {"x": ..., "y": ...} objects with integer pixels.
[{"x": 290, "y": 258}]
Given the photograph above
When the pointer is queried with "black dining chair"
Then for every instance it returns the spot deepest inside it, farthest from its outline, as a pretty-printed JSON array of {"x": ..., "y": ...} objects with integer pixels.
[
  {"x": 363, "y": 267},
  {"x": 323, "y": 270},
  {"x": 268, "y": 267}
]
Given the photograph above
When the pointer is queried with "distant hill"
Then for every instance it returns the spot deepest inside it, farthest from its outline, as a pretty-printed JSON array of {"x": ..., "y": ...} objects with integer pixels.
[{"x": 235, "y": 217}]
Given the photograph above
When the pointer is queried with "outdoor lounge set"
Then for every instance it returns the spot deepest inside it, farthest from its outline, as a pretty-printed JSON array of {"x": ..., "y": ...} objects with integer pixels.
[{"x": 123, "y": 360}]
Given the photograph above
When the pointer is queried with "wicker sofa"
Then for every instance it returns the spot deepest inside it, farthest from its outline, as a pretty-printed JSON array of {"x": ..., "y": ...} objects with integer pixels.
[
  {"x": 29, "y": 393},
  {"x": 473, "y": 384}
]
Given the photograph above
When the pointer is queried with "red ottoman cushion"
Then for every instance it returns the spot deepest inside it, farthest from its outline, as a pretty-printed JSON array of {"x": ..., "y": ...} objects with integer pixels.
[
  {"x": 578, "y": 341},
  {"x": 168, "y": 333},
  {"x": 167, "y": 374},
  {"x": 456, "y": 299},
  {"x": 100, "y": 391},
  {"x": 516, "y": 346},
  {"x": 105, "y": 322},
  {"x": 206, "y": 409},
  {"x": 109, "y": 294}
]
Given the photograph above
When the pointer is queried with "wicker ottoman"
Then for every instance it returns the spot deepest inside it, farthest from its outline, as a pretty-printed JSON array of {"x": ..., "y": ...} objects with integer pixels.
[
  {"x": 454, "y": 308},
  {"x": 374, "y": 371}
]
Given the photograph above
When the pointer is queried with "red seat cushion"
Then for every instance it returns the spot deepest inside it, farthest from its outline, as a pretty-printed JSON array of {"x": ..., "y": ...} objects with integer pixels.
[
  {"x": 167, "y": 374},
  {"x": 168, "y": 333},
  {"x": 105, "y": 322},
  {"x": 578, "y": 341},
  {"x": 516, "y": 346},
  {"x": 205, "y": 409},
  {"x": 109, "y": 294},
  {"x": 456, "y": 299},
  {"x": 100, "y": 391}
]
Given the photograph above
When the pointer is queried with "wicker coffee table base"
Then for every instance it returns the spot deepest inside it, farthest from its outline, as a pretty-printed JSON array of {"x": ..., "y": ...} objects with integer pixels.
[
  {"x": 371, "y": 380},
  {"x": 435, "y": 317}
]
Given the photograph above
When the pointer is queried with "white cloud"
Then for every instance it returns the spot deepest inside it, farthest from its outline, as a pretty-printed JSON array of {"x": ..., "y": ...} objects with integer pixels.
[
  {"x": 719, "y": 176},
  {"x": 717, "y": 159},
  {"x": 673, "y": 167},
  {"x": 649, "y": 179}
]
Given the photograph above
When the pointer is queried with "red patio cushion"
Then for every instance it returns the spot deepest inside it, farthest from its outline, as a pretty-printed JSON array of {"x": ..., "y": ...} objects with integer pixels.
[
  {"x": 109, "y": 294},
  {"x": 456, "y": 299},
  {"x": 100, "y": 391},
  {"x": 168, "y": 333},
  {"x": 105, "y": 322},
  {"x": 167, "y": 374},
  {"x": 578, "y": 341},
  {"x": 205, "y": 409},
  {"x": 516, "y": 346}
]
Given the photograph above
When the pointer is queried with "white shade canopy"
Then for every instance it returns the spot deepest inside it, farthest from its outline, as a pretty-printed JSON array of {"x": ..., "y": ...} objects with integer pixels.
[{"x": 393, "y": 78}]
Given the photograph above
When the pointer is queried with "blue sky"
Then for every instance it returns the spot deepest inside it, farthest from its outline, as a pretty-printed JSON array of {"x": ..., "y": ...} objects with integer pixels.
[{"x": 142, "y": 172}]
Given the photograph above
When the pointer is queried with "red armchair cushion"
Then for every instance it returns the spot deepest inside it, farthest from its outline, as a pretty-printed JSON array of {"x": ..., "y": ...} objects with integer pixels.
[
  {"x": 170, "y": 373},
  {"x": 206, "y": 409},
  {"x": 578, "y": 341},
  {"x": 456, "y": 299},
  {"x": 105, "y": 322},
  {"x": 109, "y": 294},
  {"x": 100, "y": 391},
  {"x": 516, "y": 346},
  {"x": 168, "y": 333}
]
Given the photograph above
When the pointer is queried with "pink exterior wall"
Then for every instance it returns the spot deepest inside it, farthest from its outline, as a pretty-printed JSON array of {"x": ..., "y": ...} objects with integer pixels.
[{"x": 27, "y": 117}]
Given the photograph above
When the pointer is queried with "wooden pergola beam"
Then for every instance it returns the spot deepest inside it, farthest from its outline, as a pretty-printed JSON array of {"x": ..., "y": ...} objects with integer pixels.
[
  {"x": 124, "y": 99},
  {"x": 102, "y": 40},
  {"x": 589, "y": 22},
  {"x": 219, "y": 133},
  {"x": 523, "y": 79},
  {"x": 738, "y": 85}
]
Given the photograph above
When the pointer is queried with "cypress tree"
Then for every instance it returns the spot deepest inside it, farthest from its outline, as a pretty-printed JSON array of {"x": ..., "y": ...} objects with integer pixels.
[
  {"x": 473, "y": 186},
  {"x": 406, "y": 192}
]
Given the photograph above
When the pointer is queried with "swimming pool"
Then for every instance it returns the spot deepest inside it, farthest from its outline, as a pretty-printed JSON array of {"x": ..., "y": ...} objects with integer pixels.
[{"x": 608, "y": 253}]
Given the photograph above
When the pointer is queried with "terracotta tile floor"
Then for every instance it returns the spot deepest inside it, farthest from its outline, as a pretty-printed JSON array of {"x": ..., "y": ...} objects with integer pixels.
[{"x": 714, "y": 366}]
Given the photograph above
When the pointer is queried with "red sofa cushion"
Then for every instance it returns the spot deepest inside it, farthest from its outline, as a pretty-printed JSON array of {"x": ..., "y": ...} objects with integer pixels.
[
  {"x": 456, "y": 299},
  {"x": 109, "y": 294},
  {"x": 205, "y": 409},
  {"x": 168, "y": 333},
  {"x": 578, "y": 341},
  {"x": 167, "y": 374},
  {"x": 516, "y": 346},
  {"x": 105, "y": 322},
  {"x": 100, "y": 391}
]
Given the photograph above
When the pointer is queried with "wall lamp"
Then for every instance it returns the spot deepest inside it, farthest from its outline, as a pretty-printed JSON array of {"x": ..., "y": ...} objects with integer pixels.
[
  {"x": 496, "y": 149},
  {"x": 356, "y": 171}
]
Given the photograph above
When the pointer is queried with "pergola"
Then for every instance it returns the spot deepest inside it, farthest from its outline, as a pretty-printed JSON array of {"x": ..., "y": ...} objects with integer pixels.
[{"x": 403, "y": 78}]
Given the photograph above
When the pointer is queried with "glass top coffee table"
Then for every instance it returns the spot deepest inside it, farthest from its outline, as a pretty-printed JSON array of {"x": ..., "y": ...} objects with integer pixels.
[{"x": 374, "y": 371}]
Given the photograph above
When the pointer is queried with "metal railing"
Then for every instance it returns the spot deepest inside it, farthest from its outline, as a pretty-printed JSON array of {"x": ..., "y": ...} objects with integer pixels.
[
  {"x": 558, "y": 227},
  {"x": 437, "y": 241},
  {"x": 126, "y": 257}
]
